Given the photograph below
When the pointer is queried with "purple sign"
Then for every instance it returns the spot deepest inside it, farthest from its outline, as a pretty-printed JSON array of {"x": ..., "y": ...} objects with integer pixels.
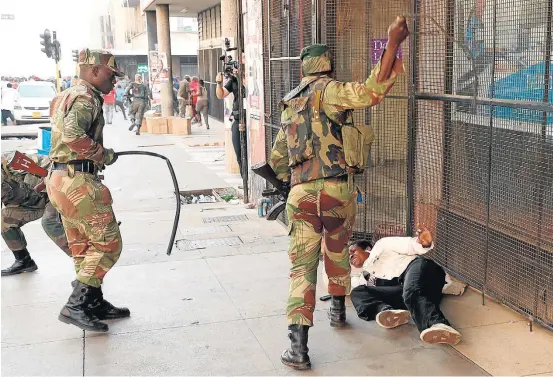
[{"x": 377, "y": 48}]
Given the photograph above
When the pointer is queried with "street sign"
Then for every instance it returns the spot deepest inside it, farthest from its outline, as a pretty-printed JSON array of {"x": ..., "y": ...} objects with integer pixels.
[{"x": 142, "y": 68}]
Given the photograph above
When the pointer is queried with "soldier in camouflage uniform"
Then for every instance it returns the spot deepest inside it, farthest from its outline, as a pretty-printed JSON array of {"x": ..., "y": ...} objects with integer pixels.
[
  {"x": 25, "y": 202},
  {"x": 75, "y": 189},
  {"x": 310, "y": 152},
  {"x": 141, "y": 96}
]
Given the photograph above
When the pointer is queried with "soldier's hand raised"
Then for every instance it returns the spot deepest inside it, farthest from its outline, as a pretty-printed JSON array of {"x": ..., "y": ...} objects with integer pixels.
[
  {"x": 397, "y": 32},
  {"x": 219, "y": 78}
]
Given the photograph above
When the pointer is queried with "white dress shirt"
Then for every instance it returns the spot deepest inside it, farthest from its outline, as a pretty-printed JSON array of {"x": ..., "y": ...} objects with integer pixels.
[{"x": 390, "y": 256}]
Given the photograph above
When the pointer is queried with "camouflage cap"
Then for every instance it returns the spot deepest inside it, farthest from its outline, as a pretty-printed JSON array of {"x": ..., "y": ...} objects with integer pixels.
[
  {"x": 315, "y": 59},
  {"x": 99, "y": 57}
]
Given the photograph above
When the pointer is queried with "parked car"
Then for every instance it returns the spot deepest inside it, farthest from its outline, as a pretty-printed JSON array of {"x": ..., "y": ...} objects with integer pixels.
[{"x": 32, "y": 102}]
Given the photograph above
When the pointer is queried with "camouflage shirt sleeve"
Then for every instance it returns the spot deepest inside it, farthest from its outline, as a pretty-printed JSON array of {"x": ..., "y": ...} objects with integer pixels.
[
  {"x": 279, "y": 157},
  {"x": 77, "y": 123},
  {"x": 343, "y": 96}
]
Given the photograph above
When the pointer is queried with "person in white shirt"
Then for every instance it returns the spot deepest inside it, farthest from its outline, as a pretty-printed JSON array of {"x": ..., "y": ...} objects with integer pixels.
[
  {"x": 405, "y": 284},
  {"x": 8, "y": 103}
]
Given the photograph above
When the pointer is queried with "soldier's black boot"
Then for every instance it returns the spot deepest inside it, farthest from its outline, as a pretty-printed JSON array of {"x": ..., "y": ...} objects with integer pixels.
[
  {"x": 337, "y": 311},
  {"x": 76, "y": 311},
  {"x": 296, "y": 356},
  {"x": 23, "y": 263},
  {"x": 132, "y": 125},
  {"x": 103, "y": 309},
  {"x": 138, "y": 130}
]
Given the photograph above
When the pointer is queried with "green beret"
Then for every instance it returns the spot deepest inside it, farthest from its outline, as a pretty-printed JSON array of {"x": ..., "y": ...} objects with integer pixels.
[{"x": 313, "y": 51}]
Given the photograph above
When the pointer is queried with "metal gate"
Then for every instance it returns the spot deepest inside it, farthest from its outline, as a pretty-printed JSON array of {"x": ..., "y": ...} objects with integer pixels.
[
  {"x": 482, "y": 144},
  {"x": 464, "y": 143}
]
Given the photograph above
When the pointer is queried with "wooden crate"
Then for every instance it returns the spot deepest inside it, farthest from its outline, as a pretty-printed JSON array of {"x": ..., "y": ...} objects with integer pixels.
[{"x": 156, "y": 125}]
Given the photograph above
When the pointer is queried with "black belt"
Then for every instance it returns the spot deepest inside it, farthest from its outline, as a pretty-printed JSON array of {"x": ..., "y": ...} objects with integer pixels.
[{"x": 85, "y": 166}]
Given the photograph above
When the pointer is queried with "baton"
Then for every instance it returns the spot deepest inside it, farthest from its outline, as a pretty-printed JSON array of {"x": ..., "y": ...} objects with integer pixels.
[{"x": 175, "y": 184}]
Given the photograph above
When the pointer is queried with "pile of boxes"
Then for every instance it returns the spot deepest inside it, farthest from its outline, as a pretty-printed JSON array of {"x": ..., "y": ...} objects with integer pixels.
[{"x": 166, "y": 125}]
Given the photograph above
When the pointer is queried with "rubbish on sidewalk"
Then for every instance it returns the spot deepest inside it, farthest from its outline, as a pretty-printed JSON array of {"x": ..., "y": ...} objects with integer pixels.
[{"x": 234, "y": 201}]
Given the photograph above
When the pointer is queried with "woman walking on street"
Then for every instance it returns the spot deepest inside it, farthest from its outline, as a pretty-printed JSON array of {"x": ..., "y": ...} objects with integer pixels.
[{"x": 202, "y": 104}]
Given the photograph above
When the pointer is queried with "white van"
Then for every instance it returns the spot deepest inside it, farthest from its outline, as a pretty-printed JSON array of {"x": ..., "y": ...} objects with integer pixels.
[{"x": 32, "y": 102}]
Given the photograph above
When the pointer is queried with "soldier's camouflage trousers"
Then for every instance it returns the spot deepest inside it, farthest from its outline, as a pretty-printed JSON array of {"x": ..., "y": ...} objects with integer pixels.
[
  {"x": 317, "y": 210},
  {"x": 136, "y": 112},
  {"x": 89, "y": 222},
  {"x": 52, "y": 225},
  {"x": 13, "y": 218}
]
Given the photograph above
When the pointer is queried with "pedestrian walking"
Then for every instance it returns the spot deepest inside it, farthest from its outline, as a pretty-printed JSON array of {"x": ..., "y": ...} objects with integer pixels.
[
  {"x": 119, "y": 93},
  {"x": 77, "y": 193},
  {"x": 202, "y": 104},
  {"x": 317, "y": 151},
  {"x": 8, "y": 103},
  {"x": 25, "y": 202},
  {"x": 194, "y": 91},
  {"x": 109, "y": 106},
  {"x": 184, "y": 95},
  {"x": 141, "y": 96}
]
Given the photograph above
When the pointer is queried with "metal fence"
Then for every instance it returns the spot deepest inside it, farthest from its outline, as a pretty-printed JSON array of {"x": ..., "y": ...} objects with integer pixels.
[{"x": 464, "y": 143}]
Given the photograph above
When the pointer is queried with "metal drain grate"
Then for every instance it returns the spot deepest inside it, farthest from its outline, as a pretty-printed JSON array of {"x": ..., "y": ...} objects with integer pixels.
[
  {"x": 224, "y": 219},
  {"x": 212, "y": 242},
  {"x": 206, "y": 230}
]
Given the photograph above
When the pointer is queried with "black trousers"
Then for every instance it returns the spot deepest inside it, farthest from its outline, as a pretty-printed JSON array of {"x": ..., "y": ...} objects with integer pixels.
[
  {"x": 418, "y": 289},
  {"x": 7, "y": 114},
  {"x": 236, "y": 144},
  {"x": 119, "y": 104}
]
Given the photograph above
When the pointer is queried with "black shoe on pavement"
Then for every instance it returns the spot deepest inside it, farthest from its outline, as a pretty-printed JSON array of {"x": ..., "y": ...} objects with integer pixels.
[
  {"x": 25, "y": 264},
  {"x": 337, "y": 311},
  {"x": 296, "y": 356},
  {"x": 103, "y": 309},
  {"x": 76, "y": 311},
  {"x": 138, "y": 131},
  {"x": 131, "y": 127}
]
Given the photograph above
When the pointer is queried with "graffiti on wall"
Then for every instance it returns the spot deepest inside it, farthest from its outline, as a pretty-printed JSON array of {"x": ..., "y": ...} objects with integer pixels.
[
  {"x": 519, "y": 64},
  {"x": 253, "y": 32}
]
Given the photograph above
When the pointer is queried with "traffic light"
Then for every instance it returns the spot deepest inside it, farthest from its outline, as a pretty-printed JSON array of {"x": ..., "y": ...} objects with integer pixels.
[
  {"x": 75, "y": 55},
  {"x": 46, "y": 42}
]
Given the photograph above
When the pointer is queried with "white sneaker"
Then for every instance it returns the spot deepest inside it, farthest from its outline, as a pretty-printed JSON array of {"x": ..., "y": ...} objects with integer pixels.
[
  {"x": 440, "y": 333},
  {"x": 392, "y": 318}
]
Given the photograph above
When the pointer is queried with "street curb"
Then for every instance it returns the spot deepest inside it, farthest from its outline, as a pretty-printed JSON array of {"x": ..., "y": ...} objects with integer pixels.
[{"x": 216, "y": 144}]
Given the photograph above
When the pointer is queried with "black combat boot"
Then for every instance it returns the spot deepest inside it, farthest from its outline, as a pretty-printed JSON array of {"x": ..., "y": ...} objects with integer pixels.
[
  {"x": 337, "y": 311},
  {"x": 131, "y": 127},
  {"x": 103, "y": 309},
  {"x": 76, "y": 311},
  {"x": 23, "y": 263},
  {"x": 138, "y": 130},
  {"x": 296, "y": 356}
]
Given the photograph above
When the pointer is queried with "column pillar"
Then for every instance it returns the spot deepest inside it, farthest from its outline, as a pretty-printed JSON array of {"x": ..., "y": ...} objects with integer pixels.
[
  {"x": 164, "y": 45},
  {"x": 151, "y": 32},
  {"x": 229, "y": 28}
]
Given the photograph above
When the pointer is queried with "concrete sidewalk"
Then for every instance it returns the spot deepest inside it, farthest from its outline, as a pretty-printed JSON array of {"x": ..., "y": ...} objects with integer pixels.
[{"x": 215, "y": 307}]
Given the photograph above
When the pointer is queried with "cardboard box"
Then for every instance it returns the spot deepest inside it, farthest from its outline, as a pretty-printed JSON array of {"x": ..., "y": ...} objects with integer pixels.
[
  {"x": 144, "y": 128},
  {"x": 156, "y": 125},
  {"x": 181, "y": 126},
  {"x": 170, "y": 124}
]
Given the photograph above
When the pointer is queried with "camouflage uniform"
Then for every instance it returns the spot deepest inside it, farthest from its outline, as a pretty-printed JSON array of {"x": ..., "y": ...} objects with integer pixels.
[
  {"x": 23, "y": 205},
  {"x": 309, "y": 154},
  {"x": 141, "y": 95},
  {"x": 83, "y": 201}
]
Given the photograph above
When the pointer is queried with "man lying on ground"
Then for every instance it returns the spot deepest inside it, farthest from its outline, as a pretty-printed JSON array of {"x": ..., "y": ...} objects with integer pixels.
[{"x": 405, "y": 284}]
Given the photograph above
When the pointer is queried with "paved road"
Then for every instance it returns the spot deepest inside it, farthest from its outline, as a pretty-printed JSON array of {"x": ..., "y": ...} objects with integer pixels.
[{"x": 215, "y": 307}]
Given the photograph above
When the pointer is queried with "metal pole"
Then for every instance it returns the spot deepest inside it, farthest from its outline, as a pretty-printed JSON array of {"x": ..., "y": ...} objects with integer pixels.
[
  {"x": 411, "y": 121},
  {"x": 490, "y": 151},
  {"x": 242, "y": 122},
  {"x": 269, "y": 133}
]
